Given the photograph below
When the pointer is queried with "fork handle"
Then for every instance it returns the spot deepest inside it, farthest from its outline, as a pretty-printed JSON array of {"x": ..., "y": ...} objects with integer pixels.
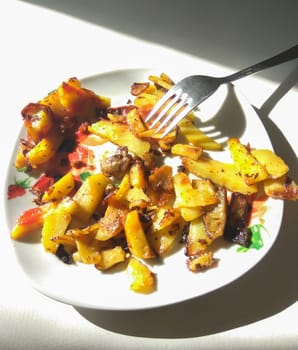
[{"x": 282, "y": 57}]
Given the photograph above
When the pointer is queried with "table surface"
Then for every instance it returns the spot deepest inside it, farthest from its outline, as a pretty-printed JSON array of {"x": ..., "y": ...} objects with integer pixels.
[{"x": 45, "y": 42}]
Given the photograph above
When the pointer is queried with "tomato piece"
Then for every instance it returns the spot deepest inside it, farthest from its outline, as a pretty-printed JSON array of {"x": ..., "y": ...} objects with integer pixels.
[
  {"x": 15, "y": 191},
  {"x": 79, "y": 158},
  {"x": 82, "y": 133},
  {"x": 43, "y": 183},
  {"x": 31, "y": 216}
]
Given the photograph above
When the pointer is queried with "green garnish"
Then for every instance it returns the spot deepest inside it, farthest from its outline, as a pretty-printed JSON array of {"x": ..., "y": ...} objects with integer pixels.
[
  {"x": 85, "y": 175},
  {"x": 23, "y": 183},
  {"x": 256, "y": 238}
]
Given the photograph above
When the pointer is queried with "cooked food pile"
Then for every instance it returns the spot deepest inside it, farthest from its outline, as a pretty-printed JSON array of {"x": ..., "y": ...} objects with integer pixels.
[{"x": 108, "y": 190}]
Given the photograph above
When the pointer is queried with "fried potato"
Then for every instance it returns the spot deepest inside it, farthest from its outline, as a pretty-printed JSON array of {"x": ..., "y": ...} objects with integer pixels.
[
  {"x": 163, "y": 81},
  {"x": 196, "y": 137},
  {"x": 29, "y": 221},
  {"x": 273, "y": 164},
  {"x": 55, "y": 224},
  {"x": 45, "y": 149},
  {"x": 143, "y": 280},
  {"x": 281, "y": 188},
  {"x": 188, "y": 196},
  {"x": 215, "y": 217},
  {"x": 164, "y": 217},
  {"x": 88, "y": 250},
  {"x": 136, "y": 239},
  {"x": 60, "y": 189},
  {"x": 165, "y": 229},
  {"x": 21, "y": 161},
  {"x": 197, "y": 240},
  {"x": 203, "y": 261},
  {"x": 120, "y": 194},
  {"x": 136, "y": 195},
  {"x": 137, "y": 176},
  {"x": 90, "y": 195},
  {"x": 112, "y": 223},
  {"x": 246, "y": 164},
  {"x": 79, "y": 102},
  {"x": 189, "y": 214},
  {"x": 207, "y": 228},
  {"x": 121, "y": 136},
  {"x": 134, "y": 122},
  {"x": 222, "y": 174},
  {"x": 111, "y": 257},
  {"x": 162, "y": 240},
  {"x": 38, "y": 121},
  {"x": 193, "y": 152}
]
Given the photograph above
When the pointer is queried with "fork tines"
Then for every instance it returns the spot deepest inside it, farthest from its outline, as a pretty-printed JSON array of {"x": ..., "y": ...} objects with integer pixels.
[{"x": 169, "y": 110}]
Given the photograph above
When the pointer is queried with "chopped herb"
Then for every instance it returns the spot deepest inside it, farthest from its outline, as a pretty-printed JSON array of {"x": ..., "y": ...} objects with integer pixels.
[
  {"x": 23, "y": 183},
  {"x": 85, "y": 175}
]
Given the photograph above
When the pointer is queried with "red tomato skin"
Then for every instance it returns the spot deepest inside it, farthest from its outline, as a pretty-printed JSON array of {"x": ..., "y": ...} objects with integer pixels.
[
  {"x": 15, "y": 191},
  {"x": 31, "y": 216}
]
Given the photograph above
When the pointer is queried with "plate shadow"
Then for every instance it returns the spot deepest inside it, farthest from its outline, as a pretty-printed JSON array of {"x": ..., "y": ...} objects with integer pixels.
[{"x": 267, "y": 289}]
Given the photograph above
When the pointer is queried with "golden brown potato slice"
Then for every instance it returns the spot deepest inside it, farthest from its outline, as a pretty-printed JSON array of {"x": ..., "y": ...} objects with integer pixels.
[
  {"x": 55, "y": 224},
  {"x": 60, "y": 189},
  {"x": 215, "y": 217},
  {"x": 222, "y": 174},
  {"x": 120, "y": 194},
  {"x": 89, "y": 195},
  {"x": 282, "y": 188},
  {"x": 196, "y": 137},
  {"x": 164, "y": 240},
  {"x": 197, "y": 240},
  {"x": 79, "y": 102},
  {"x": 137, "y": 175},
  {"x": 38, "y": 121},
  {"x": 121, "y": 136},
  {"x": 193, "y": 152},
  {"x": 45, "y": 149},
  {"x": 136, "y": 238},
  {"x": 274, "y": 165},
  {"x": 135, "y": 122},
  {"x": 189, "y": 214},
  {"x": 71, "y": 100},
  {"x": 112, "y": 223},
  {"x": 188, "y": 196},
  {"x": 163, "y": 81},
  {"x": 29, "y": 221},
  {"x": 246, "y": 164},
  {"x": 88, "y": 250},
  {"x": 201, "y": 262},
  {"x": 111, "y": 257},
  {"x": 143, "y": 280},
  {"x": 204, "y": 230},
  {"x": 165, "y": 230}
]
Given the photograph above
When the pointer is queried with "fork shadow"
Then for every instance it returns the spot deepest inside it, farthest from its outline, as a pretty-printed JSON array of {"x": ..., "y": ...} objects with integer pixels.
[{"x": 228, "y": 121}]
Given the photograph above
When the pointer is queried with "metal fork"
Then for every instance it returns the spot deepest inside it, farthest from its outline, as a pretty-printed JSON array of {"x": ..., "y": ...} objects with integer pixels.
[{"x": 189, "y": 92}]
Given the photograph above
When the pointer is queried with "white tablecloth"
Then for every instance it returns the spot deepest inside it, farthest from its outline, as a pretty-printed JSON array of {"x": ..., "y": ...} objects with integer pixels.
[{"x": 45, "y": 42}]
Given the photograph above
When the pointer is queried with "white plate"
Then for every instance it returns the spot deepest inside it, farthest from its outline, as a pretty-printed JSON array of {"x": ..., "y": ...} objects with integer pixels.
[{"x": 84, "y": 286}]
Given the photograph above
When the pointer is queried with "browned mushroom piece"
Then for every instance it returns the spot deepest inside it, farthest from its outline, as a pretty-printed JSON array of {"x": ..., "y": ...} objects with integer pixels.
[{"x": 117, "y": 164}]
